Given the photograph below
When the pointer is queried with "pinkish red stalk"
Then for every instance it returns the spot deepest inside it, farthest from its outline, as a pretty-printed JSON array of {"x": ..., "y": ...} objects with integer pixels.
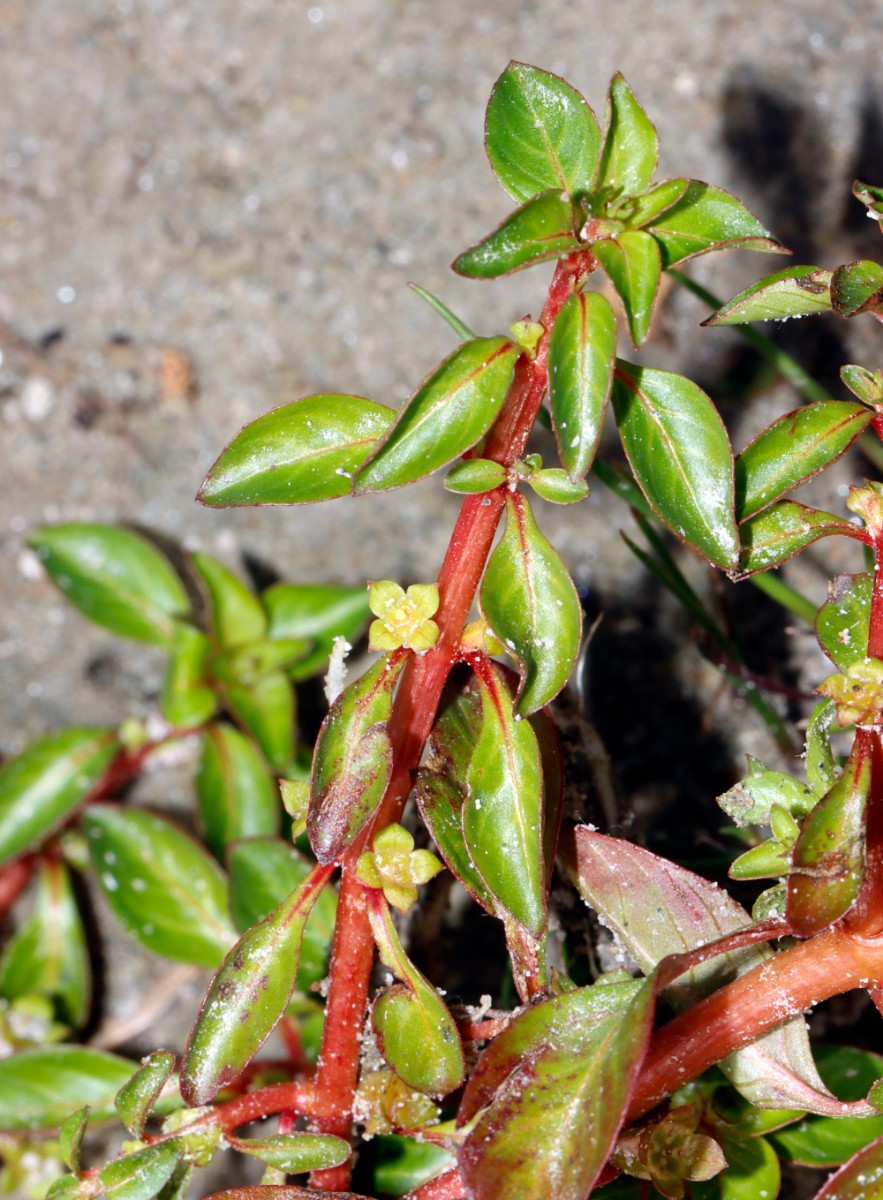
[{"x": 444, "y": 1187}]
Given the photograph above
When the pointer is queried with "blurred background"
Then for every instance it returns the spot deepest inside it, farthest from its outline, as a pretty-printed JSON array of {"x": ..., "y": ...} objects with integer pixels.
[{"x": 211, "y": 208}]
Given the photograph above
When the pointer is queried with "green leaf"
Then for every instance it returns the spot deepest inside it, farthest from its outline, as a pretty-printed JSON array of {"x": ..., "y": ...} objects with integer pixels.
[
  {"x": 114, "y": 577},
  {"x": 829, "y": 1141},
  {"x": 247, "y": 996},
  {"x": 447, "y": 415},
  {"x": 856, "y": 288},
  {"x": 794, "y": 292},
  {"x": 444, "y": 785},
  {"x": 860, "y": 1179},
  {"x": 135, "y": 1100},
  {"x": 266, "y": 708},
  {"x": 749, "y": 802},
  {"x": 582, "y": 353},
  {"x": 658, "y": 908},
  {"x": 843, "y": 622},
  {"x": 187, "y": 699},
  {"x": 70, "y": 1137},
  {"x": 793, "y": 449},
  {"x": 352, "y": 760},
  {"x": 39, "y": 1088},
  {"x": 540, "y": 133},
  {"x": 238, "y": 798},
  {"x": 769, "y": 860},
  {"x": 295, "y": 1153},
  {"x": 781, "y": 531},
  {"x": 708, "y": 218},
  {"x": 141, "y": 1175},
  {"x": 414, "y": 1031},
  {"x": 263, "y": 871},
  {"x": 632, "y": 262},
  {"x": 827, "y": 863},
  {"x": 474, "y": 476},
  {"x": 236, "y": 616},
  {"x": 542, "y": 228},
  {"x": 160, "y": 884},
  {"x": 297, "y": 454},
  {"x": 631, "y": 147},
  {"x": 397, "y": 1165},
  {"x": 317, "y": 613},
  {"x": 41, "y": 787},
  {"x": 49, "y": 956},
  {"x": 680, "y": 455},
  {"x": 821, "y": 768},
  {"x": 502, "y": 817},
  {"x": 532, "y": 606},
  {"x": 862, "y": 383},
  {"x": 752, "y": 1172},
  {"x": 531, "y": 1107},
  {"x": 645, "y": 208},
  {"x": 556, "y": 486}
]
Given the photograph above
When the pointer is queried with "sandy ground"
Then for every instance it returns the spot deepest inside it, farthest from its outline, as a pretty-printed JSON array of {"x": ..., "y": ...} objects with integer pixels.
[{"x": 208, "y": 209}]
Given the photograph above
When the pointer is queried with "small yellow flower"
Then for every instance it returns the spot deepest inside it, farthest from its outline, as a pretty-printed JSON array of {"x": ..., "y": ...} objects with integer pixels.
[
  {"x": 396, "y": 867},
  {"x": 858, "y": 693},
  {"x": 403, "y": 618}
]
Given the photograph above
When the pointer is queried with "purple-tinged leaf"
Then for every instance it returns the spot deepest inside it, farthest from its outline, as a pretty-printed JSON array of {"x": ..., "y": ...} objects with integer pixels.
[
  {"x": 843, "y": 623},
  {"x": 657, "y": 908},
  {"x": 41, "y": 787},
  {"x": 547, "y": 1098},
  {"x": 39, "y": 1088},
  {"x": 532, "y": 606},
  {"x": 857, "y": 287},
  {"x": 160, "y": 884},
  {"x": 135, "y": 1100},
  {"x": 632, "y": 263},
  {"x": 353, "y": 759},
  {"x": 827, "y": 863},
  {"x": 793, "y": 449},
  {"x": 247, "y": 996},
  {"x": 237, "y": 795},
  {"x": 543, "y": 228},
  {"x": 140, "y": 1176},
  {"x": 49, "y": 956},
  {"x": 794, "y": 292},
  {"x": 115, "y": 578},
  {"x": 415, "y": 1032},
  {"x": 540, "y": 133},
  {"x": 582, "y": 352},
  {"x": 859, "y": 1179},
  {"x": 631, "y": 147},
  {"x": 781, "y": 531},
  {"x": 446, "y": 416},
  {"x": 680, "y": 455},
  {"x": 297, "y": 454},
  {"x": 707, "y": 218}
]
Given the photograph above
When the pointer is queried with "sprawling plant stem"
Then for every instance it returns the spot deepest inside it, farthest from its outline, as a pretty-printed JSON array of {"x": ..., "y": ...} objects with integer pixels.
[{"x": 413, "y": 715}]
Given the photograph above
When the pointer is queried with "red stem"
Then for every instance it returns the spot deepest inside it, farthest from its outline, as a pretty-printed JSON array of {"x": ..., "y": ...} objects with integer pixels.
[
  {"x": 794, "y": 980},
  {"x": 444, "y": 1187},
  {"x": 14, "y": 878},
  {"x": 413, "y": 715}
]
